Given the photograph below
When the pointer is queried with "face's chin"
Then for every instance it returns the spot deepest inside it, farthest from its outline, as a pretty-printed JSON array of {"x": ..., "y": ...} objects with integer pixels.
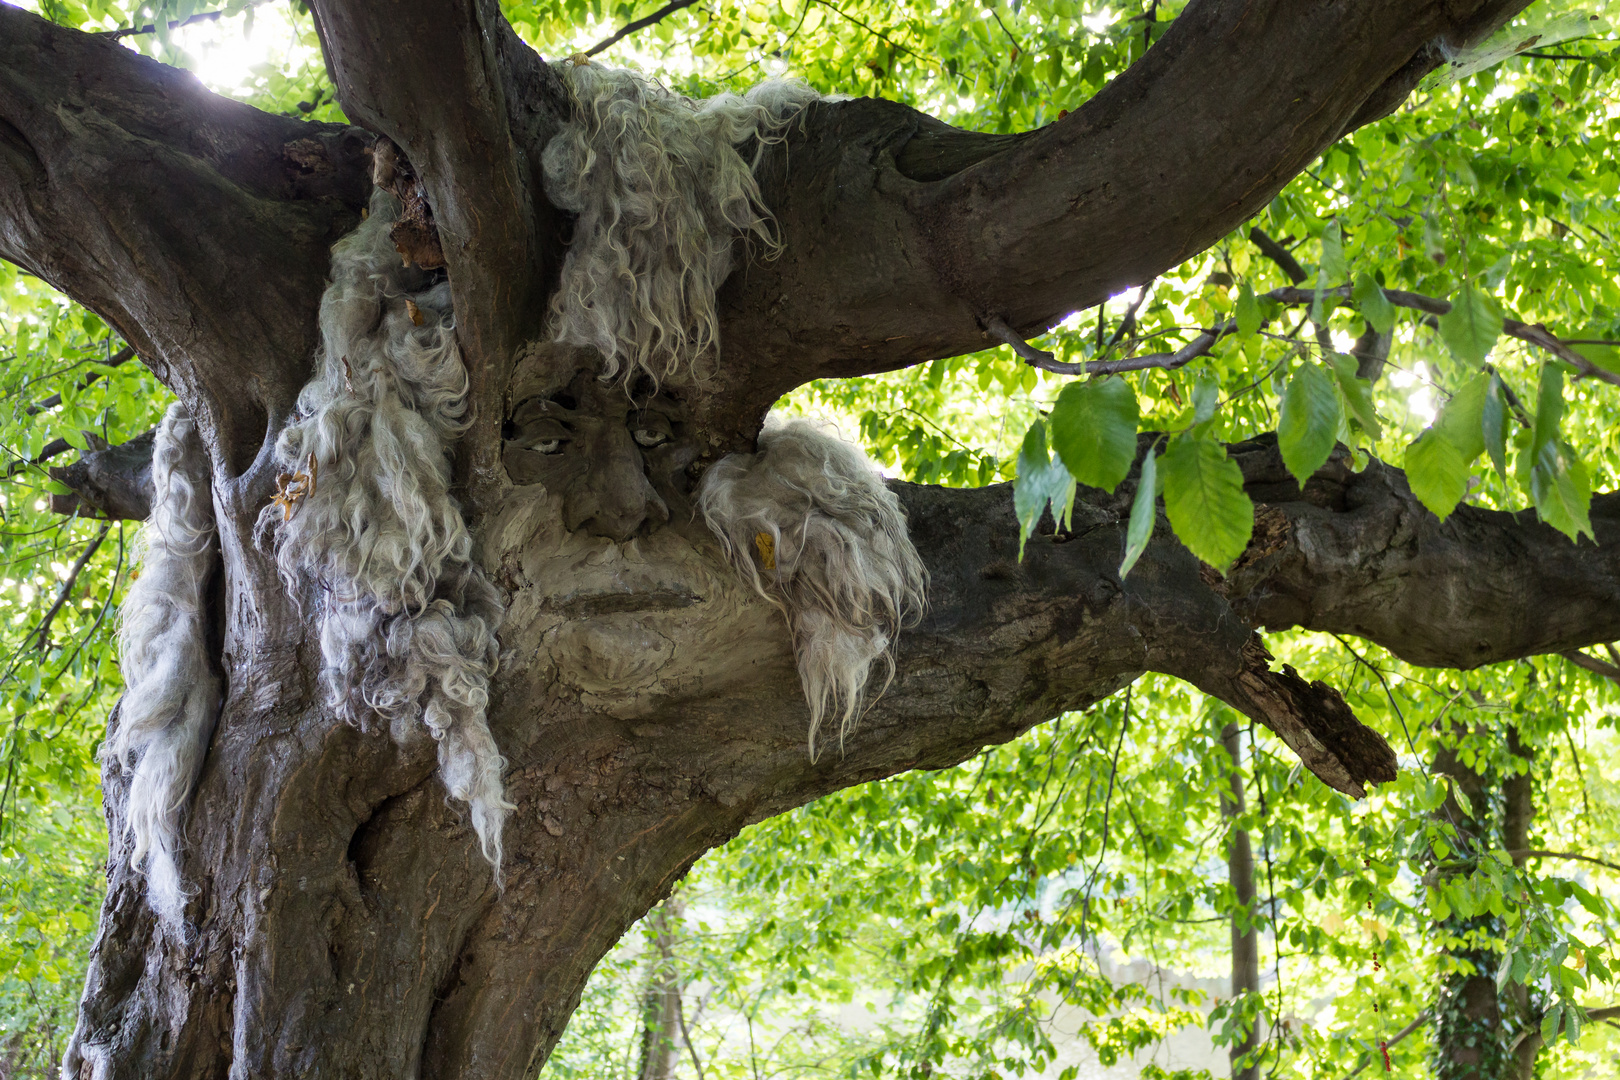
[{"x": 629, "y": 628}]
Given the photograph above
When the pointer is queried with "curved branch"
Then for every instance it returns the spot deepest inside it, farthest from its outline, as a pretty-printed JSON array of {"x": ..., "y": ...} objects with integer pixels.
[
  {"x": 903, "y": 235},
  {"x": 197, "y": 226}
]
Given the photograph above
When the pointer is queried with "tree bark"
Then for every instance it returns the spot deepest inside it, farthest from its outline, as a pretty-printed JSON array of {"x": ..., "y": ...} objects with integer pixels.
[
  {"x": 1478, "y": 1028},
  {"x": 344, "y": 924},
  {"x": 661, "y": 998},
  {"x": 1245, "y": 940}
]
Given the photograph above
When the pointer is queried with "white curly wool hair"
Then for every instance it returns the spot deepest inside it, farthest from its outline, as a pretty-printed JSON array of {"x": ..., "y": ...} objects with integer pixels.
[
  {"x": 409, "y": 620},
  {"x": 171, "y": 691},
  {"x": 662, "y": 192},
  {"x": 809, "y": 522}
]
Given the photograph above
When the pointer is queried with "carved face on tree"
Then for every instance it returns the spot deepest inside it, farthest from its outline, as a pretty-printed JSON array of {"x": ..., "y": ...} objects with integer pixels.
[
  {"x": 561, "y": 433},
  {"x": 619, "y": 457}
]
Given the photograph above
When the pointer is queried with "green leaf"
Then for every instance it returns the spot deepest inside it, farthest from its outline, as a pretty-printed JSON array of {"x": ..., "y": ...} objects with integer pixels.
[
  {"x": 1471, "y": 327},
  {"x": 1094, "y": 431},
  {"x": 1248, "y": 312},
  {"x": 1549, "y": 407},
  {"x": 1205, "y": 501},
  {"x": 1436, "y": 472},
  {"x": 1143, "y": 507},
  {"x": 1461, "y": 421},
  {"x": 1041, "y": 481},
  {"x": 1562, "y": 490},
  {"x": 1206, "y": 397},
  {"x": 1549, "y": 1024},
  {"x": 1357, "y": 394},
  {"x": 1375, "y": 306},
  {"x": 1333, "y": 268},
  {"x": 1310, "y": 421},
  {"x": 1494, "y": 424}
]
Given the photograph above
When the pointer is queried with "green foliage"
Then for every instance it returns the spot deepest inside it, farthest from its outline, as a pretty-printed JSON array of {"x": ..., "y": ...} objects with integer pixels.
[
  {"x": 1309, "y": 421},
  {"x": 988, "y": 920},
  {"x": 1064, "y": 898},
  {"x": 1094, "y": 431},
  {"x": 1204, "y": 500}
]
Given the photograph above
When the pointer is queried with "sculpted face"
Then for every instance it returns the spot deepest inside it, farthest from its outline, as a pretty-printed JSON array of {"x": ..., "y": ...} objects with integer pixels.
[
  {"x": 617, "y": 456},
  {"x": 635, "y": 606}
]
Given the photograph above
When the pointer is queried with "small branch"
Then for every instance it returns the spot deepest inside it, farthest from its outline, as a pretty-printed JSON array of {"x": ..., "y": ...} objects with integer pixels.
[
  {"x": 1044, "y": 360},
  {"x": 1128, "y": 323},
  {"x": 1017, "y": 48},
  {"x": 1532, "y": 1035},
  {"x": 122, "y": 356},
  {"x": 1539, "y": 336},
  {"x": 46, "y": 452},
  {"x": 1559, "y": 56},
  {"x": 151, "y": 28},
  {"x": 686, "y": 1037},
  {"x": 1536, "y": 853},
  {"x": 639, "y": 24},
  {"x": 1038, "y": 357},
  {"x": 1417, "y": 1021},
  {"x": 1279, "y": 255},
  {"x": 67, "y": 586},
  {"x": 1592, "y": 664},
  {"x": 1531, "y": 333}
]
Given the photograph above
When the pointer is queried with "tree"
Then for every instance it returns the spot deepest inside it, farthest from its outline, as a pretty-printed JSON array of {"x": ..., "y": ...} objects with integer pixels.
[{"x": 347, "y": 923}]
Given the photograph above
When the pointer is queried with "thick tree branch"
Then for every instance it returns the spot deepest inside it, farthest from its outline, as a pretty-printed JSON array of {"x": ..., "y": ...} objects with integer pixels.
[
  {"x": 1361, "y": 556},
  {"x": 915, "y": 234},
  {"x": 197, "y": 226},
  {"x": 472, "y": 107},
  {"x": 108, "y": 482}
]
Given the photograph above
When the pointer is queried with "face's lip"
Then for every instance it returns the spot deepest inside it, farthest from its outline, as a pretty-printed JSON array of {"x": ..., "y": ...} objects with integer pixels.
[{"x": 593, "y": 605}]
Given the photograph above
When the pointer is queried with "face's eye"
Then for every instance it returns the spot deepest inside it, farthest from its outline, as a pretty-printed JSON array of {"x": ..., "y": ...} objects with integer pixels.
[
  {"x": 649, "y": 437},
  {"x": 543, "y": 435}
]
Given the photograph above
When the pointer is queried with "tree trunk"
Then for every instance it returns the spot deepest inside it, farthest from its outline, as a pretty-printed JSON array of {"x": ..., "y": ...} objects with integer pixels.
[
  {"x": 661, "y": 997},
  {"x": 1245, "y": 940},
  {"x": 344, "y": 924},
  {"x": 1476, "y": 1025}
]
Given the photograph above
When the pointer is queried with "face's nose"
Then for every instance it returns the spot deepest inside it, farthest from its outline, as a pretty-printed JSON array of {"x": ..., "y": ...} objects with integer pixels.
[{"x": 613, "y": 498}]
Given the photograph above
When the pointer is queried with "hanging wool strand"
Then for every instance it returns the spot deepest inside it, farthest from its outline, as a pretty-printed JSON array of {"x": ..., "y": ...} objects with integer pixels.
[
  {"x": 408, "y": 629},
  {"x": 809, "y": 523},
  {"x": 171, "y": 694},
  {"x": 662, "y": 192}
]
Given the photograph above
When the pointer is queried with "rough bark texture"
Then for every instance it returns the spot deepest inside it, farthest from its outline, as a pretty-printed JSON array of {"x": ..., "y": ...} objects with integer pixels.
[
  {"x": 1245, "y": 938},
  {"x": 345, "y": 924}
]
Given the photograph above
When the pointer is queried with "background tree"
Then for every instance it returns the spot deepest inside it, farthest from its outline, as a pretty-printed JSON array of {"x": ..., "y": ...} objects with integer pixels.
[{"x": 1492, "y": 192}]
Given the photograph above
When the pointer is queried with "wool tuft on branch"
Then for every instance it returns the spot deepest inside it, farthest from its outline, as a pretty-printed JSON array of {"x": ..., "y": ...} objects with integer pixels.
[
  {"x": 172, "y": 691},
  {"x": 662, "y": 192},
  {"x": 809, "y": 522},
  {"x": 409, "y": 620}
]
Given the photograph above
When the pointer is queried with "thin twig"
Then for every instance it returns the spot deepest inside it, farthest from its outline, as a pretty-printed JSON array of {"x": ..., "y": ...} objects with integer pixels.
[
  {"x": 67, "y": 585},
  {"x": 1417, "y": 1021},
  {"x": 151, "y": 28},
  {"x": 122, "y": 356},
  {"x": 1537, "y": 853},
  {"x": 1128, "y": 323},
  {"x": 46, "y": 452},
  {"x": 680, "y": 1017},
  {"x": 639, "y": 24},
  {"x": 1046, "y": 361},
  {"x": 1533, "y": 1034}
]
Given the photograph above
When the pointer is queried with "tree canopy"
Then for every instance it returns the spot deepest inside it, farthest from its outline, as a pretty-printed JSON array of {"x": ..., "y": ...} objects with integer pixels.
[{"x": 1436, "y": 291}]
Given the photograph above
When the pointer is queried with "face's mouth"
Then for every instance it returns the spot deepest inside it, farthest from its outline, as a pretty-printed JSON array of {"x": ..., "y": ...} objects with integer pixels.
[{"x": 615, "y": 603}]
